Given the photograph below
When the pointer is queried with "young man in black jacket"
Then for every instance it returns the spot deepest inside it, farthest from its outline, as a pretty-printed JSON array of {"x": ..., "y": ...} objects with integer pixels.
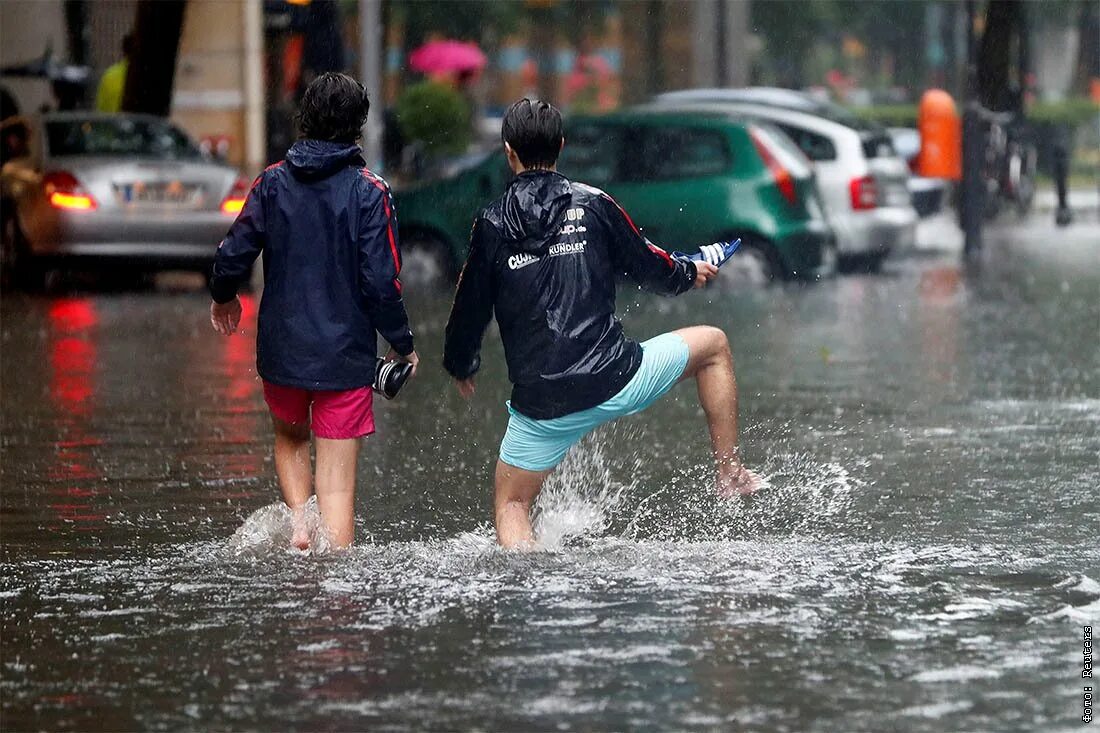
[{"x": 545, "y": 257}]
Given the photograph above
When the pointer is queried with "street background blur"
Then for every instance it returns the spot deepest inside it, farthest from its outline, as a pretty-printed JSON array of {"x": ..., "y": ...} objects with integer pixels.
[
  {"x": 242, "y": 66},
  {"x": 923, "y": 395}
]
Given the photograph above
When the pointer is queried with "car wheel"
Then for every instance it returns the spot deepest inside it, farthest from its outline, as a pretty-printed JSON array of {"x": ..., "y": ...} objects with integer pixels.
[
  {"x": 18, "y": 266},
  {"x": 426, "y": 260},
  {"x": 756, "y": 263}
]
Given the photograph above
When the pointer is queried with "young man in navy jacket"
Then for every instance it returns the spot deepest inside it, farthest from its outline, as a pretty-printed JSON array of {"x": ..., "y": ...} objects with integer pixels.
[
  {"x": 544, "y": 258},
  {"x": 327, "y": 228}
]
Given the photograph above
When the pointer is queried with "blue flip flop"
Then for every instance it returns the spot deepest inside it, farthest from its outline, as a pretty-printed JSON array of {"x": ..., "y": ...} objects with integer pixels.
[{"x": 716, "y": 254}]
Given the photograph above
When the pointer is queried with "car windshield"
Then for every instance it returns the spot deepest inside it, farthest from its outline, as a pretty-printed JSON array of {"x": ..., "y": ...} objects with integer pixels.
[{"x": 123, "y": 137}]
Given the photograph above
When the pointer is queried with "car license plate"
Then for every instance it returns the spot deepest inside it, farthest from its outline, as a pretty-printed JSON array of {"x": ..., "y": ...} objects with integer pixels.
[{"x": 160, "y": 193}]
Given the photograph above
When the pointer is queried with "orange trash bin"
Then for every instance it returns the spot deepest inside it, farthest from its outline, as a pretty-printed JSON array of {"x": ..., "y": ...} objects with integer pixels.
[{"x": 940, "y": 136}]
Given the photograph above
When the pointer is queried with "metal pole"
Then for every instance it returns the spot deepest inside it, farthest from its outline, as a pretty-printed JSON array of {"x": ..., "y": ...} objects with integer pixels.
[
  {"x": 370, "y": 72},
  {"x": 736, "y": 31},
  {"x": 705, "y": 48},
  {"x": 972, "y": 199},
  {"x": 255, "y": 127}
]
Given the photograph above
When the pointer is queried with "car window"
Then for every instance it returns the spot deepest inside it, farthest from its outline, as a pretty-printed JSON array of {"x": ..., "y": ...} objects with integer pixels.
[
  {"x": 591, "y": 153},
  {"x": 119, "y": 137},
  {"x": 780, "y": 146},
  {"x": 877, "y": 145},
  {"x": 815, "y": 147},
  {"x": 665, "y": 153}
]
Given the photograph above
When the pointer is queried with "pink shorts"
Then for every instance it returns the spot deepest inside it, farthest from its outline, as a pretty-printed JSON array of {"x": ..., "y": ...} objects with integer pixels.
[{"x": 336, "y": 415}]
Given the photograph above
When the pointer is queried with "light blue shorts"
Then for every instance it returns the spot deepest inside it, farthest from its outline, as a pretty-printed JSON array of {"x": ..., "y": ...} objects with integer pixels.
[{"x": 539, "y": 445}]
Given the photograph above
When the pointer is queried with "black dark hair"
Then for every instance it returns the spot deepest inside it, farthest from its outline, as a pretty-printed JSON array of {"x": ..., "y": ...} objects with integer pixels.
[
  {"x": 128, "y": 45},
  {"x": 333, "y": 108},
  {"x": 533, "y": 130}
]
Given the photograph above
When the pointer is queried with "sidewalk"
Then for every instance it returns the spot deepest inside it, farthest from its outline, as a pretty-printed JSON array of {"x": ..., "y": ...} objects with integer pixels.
[
  {"x": 1080, "y": 199},
  {"x": 941, "y": 233}
]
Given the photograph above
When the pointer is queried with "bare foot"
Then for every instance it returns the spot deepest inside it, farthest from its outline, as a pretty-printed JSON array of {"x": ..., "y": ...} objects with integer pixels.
[
  {"x": 743, "y": 483},
  {"x": 300, "y": 538}
]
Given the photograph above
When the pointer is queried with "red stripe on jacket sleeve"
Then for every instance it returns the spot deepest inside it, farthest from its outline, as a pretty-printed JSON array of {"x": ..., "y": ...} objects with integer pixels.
[
  {"x": 260, "y": 177},
  {"x": 381, "y": 186},
  {"x": 652, "y": 247}
]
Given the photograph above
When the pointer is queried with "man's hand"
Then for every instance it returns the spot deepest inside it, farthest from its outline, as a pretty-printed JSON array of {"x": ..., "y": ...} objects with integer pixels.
[
  {"x": 704, "y": 273},
  {"x": 466, "y": 387},
  {"x": 410, "y": 358},
  {"x": 225, "y": 317}
]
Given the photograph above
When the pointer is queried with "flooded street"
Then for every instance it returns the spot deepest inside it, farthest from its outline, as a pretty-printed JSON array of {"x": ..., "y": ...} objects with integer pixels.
[{"x": 924, "y": 559}]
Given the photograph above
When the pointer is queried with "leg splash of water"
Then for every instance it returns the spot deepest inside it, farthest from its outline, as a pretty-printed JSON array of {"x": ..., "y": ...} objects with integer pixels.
[
  {"x": 579, "y": 499},
  {"x": 276, "y": 527},
  {"x": 798, "y": 495},
  {"x": 584, "y": 498}
]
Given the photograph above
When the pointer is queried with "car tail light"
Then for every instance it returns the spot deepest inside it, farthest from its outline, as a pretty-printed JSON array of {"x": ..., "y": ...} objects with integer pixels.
[
  {"x": 234, "y": 202},
  {"x": 864, "y": 193},
  {"x": 782, "y": 176},
  {"x": 63, "y": 191}
]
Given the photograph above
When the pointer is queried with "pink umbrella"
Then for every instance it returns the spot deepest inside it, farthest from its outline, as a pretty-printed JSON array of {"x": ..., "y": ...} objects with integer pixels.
[{"x": 441, "y": 57}]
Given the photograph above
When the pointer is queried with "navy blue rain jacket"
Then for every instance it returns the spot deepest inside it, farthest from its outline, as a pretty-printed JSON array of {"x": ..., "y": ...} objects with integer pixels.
[
  {"x": 328, "y": 231},
  {"x": 544, "y": 258}
]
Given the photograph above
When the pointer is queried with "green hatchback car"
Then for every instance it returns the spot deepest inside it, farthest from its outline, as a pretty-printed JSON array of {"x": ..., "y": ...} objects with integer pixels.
[{"x": 687, "y": 179}]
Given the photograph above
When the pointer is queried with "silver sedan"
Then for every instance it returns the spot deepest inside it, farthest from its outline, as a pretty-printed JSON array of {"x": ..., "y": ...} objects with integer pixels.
[{"x": 86, "y": 188}]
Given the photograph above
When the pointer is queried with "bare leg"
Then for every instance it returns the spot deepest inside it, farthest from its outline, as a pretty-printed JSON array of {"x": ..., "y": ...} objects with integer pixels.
[
  {"x": 516, "y": 489},
  {"x": 710, "y": 363},
  {"x": 295, "y": 479},
  {"x": 336, "y": 463}
]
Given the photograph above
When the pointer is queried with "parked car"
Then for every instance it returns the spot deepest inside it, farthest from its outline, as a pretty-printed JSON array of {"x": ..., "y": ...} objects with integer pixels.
[
  {"x": 435, "y": 215},
  {"x": 927, "y": 194},
  {"x": 863, "y": 181},
  {"x": 100, "y": 189},
  {"x": 687, "y": 179}
]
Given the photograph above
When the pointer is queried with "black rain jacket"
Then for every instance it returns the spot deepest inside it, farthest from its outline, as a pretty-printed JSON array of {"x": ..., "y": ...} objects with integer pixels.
[
  {"x": 545, "y": 257},
  {"x": 328, "y": 231}
]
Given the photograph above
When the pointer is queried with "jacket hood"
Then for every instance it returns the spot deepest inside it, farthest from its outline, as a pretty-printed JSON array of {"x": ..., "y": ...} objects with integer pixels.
[
  {"x": 316, "y": 159},
  {"x": 533, "y": 208}
]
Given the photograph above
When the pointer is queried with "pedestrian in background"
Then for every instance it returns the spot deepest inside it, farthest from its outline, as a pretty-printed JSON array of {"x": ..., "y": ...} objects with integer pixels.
[
  {"x": 328, "y": 231},
  {"x": 112, "y": 85}
]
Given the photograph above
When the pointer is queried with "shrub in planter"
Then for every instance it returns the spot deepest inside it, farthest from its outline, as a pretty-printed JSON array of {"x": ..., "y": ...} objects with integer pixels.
[{"x": 436, "y": 116}]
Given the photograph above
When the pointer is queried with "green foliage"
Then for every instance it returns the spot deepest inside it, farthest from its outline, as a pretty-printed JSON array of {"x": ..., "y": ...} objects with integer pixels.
[
  {"x": 793, "y": 30},
  {"x": 1071, "y": 112},
  {"x": 435, "y": 115},
  {"x": 889, "y": 115}
]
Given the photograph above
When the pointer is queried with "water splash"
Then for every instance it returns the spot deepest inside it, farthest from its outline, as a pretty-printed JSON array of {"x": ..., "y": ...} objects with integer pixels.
[
  {"x": 580, "y": 499},
  {"x": 585, "y": 499},
  {"x": 270, "y": 529}
]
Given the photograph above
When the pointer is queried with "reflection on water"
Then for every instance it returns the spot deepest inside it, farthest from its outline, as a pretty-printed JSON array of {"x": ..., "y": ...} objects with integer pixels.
[{"x": 922, "y": 560}]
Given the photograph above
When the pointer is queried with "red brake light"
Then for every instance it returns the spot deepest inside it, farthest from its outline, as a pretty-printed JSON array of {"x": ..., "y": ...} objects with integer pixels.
[
  {"x": 864, "y": 193},
  {"x": 782, "y": 176},
  {"x": 63, "y": 191},
  {"x": 234, "y": 202}
]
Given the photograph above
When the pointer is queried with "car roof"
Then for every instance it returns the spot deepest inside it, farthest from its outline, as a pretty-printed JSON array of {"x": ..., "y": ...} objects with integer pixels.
[
  {"x": 774, "y": 96},
  {"x": 702, "y": 115},
  {"x": 763, "y": 113},
  {"x": 787, "y": 99}
]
